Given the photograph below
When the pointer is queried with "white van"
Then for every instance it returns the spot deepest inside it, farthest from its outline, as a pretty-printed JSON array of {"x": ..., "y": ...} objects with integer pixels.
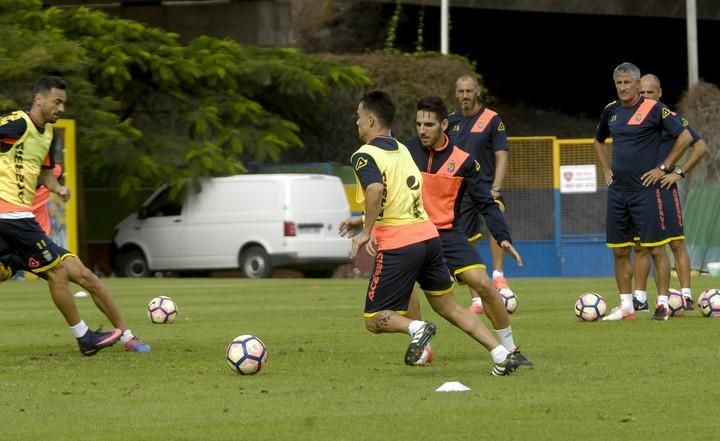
[{"x": 254, "y": 223}]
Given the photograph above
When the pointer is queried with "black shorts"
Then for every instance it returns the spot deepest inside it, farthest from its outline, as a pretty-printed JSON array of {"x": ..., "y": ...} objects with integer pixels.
[
  {"x": 30, "y": 247},
  {"x": 673, "y": 213},
  {"x": 641, "y": 214},
  {"x": 459, "y": 253},
  {"x": 471, "y": 222},
  {"x": 396, "y": 271}
]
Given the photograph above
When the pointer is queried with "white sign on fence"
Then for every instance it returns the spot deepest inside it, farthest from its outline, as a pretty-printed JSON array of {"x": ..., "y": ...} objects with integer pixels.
[{"x": 578, "y": 179}]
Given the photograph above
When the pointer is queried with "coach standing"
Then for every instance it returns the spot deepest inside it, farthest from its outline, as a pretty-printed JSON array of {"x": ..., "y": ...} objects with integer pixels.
[{"x": 634, "y": 203}]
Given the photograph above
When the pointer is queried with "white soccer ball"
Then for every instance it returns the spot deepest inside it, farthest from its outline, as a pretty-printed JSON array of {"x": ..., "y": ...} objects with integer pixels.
[
  {"x": 676, "y": 303},
  {"x": 510, "y": 300},
  {"x": 709, "y": 303},
  {"x": 162, "y": 310},
  {"x": 246, "y": 354},
  {"x": 590, "y": 306}
]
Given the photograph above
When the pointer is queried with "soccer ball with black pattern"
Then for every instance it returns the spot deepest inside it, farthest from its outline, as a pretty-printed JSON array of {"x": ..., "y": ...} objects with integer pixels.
[
  {"x": 510, "y": 300},
  {"x": 246, "y": 354},
  {"x": 590, "y": 306},
  {"x": 676, "y": 303},
  {"x": 709, "y": 303},
  {"x": 162, "y": 310}
]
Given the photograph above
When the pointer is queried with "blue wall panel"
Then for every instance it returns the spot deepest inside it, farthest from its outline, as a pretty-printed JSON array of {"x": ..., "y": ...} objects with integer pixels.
[
  {"x": 586, "y": 257},
  {"x": 582, "y": 258},
  {"x": 538, "y": 259}
]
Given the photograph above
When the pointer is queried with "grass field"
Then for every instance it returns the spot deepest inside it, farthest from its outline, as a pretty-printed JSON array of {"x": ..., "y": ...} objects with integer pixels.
[{"x": 329, "y": 379}]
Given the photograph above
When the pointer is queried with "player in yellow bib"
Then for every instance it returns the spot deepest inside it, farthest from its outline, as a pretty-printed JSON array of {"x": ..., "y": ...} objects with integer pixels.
[
  {"x": 408, "y": 245},
  {"x": 26, "y": 161}
]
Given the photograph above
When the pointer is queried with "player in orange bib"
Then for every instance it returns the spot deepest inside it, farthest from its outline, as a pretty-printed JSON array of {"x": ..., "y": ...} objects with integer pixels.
[
  {"x": 408, "y": 247},
  {"x": 449, "y": 173}
]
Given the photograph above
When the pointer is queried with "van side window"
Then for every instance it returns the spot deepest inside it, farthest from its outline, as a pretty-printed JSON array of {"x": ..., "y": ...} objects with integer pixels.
[{"x": 162, "y": 205}]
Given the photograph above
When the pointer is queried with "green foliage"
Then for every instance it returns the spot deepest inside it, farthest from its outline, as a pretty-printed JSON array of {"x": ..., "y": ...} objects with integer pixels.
[
  {"x": 407, "y": 77},
  {"x": 701, "y": 106},
  {"x": 327, "y": 378},
  {"x": 150, "y": 109},
  {"x": 419, "y": 41},
  {"x": 393, "y": 26}
]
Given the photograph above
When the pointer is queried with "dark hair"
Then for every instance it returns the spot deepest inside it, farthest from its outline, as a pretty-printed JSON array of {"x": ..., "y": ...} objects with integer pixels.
[
  {"x": 381, "y": 105},
  {"x": 433, "y": 104},
  {"x": 44, "y": 84}
]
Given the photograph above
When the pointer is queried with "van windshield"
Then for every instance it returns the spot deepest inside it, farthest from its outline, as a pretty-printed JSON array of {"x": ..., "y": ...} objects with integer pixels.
[{"x": 162, "y": 205}]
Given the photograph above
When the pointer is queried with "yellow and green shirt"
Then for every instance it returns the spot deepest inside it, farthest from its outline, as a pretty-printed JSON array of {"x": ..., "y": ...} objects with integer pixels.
[
  {"x": 402, "y": 220},
  {"x": 25, "y": 149}
]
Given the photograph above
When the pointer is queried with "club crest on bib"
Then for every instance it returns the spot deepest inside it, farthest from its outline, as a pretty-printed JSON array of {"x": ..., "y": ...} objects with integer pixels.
[{"x": 361, "y": 162}]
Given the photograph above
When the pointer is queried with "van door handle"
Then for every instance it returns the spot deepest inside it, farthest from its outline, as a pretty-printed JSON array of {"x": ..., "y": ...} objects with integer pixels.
[{"x": 177, "y": 220}]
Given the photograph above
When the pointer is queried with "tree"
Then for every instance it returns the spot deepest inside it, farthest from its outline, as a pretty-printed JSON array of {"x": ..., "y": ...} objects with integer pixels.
[
  {"x": 700, "y": 104},
  {"x": 150, "y": 109},
  {"x": 407, "y": 77}
]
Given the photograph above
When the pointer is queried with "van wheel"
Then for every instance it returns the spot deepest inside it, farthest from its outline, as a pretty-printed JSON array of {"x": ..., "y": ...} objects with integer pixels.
[
  {"x": 255, "y": 263},
  {"x": 133, "y": 264}
]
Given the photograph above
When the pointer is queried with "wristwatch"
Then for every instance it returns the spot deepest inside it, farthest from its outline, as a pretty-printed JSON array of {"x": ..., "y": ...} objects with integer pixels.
[
  {"x": 665, "y": 168},
  {"x": 680, "y": 172}
]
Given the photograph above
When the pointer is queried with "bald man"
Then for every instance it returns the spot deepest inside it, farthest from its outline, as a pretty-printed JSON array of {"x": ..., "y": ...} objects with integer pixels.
[
  {"x": 480, "y": 131},
  {"x": 650, "y": 88}
]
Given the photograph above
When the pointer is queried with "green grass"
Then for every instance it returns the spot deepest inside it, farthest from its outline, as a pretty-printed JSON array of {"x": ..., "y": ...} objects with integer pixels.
[{"x": 329, "y": 379}]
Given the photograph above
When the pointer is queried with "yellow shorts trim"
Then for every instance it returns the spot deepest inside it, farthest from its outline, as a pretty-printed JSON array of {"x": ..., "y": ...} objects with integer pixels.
[
  {"x": 475, "y": 238},
  {"x": 373, "y": 314},
  {"x": 656, "y": 244},
  {"x": 53, "y": 264},
  {"x": 620, "y": 245},
  {"x": 467, "y": 268},
  {"x": 440, "y": 293}
]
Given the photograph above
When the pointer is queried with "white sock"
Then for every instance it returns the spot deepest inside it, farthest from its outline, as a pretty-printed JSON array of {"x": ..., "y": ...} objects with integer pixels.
[
  {"x": 499, "y": 354},
  {"x": 641, "y": 295},
  {"x": 662, "y": 300},
  {"x": 126, "y": 336},
  {"x": 477, "y": 300},
  {"x": 80, "y": 329},
  {"x": 415, "y": 326},
  {"x": 497, "y": 274},
  {"x": 626, "y": 302},
  {"x": 687, "y": 292},
  {"x": 506, "y": 338}
]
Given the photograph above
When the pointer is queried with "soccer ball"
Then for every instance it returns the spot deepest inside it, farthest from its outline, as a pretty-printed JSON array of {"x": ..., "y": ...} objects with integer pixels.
[
  {"x": 246, "y": 354},
  {"x": 590, "y": 306},
  {"x": 676, "y": 303},
  {"x": 509, "y": 299},
  {"x": 709, "y": 303},
  {"x": 162, "y": 310}
]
